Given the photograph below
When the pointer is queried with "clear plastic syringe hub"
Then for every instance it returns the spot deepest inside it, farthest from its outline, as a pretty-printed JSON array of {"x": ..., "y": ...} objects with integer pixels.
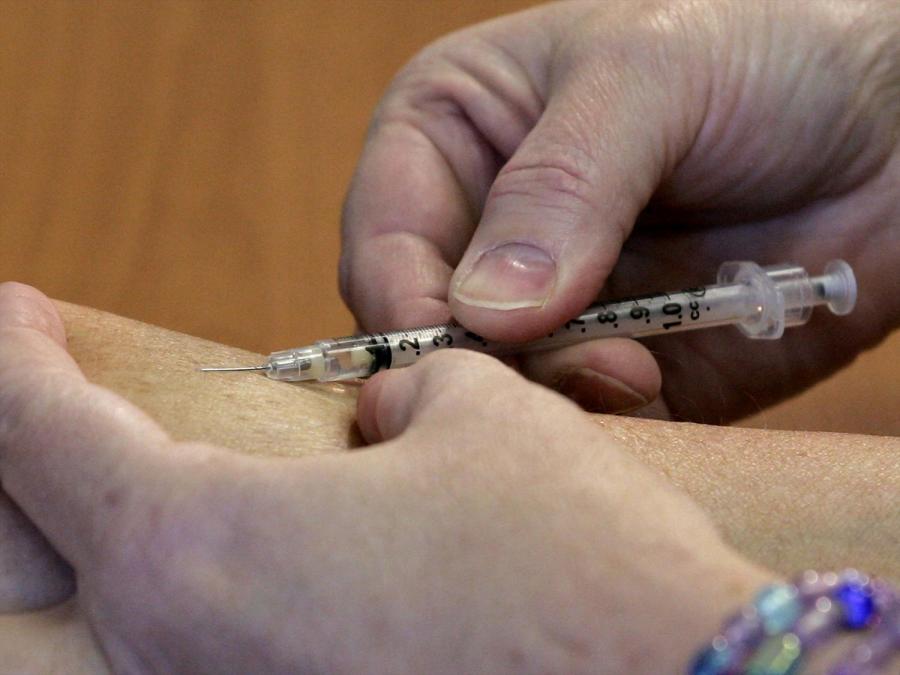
[
  {"x": 329, "y": 360},
  {"x": 782, "y": 296}
]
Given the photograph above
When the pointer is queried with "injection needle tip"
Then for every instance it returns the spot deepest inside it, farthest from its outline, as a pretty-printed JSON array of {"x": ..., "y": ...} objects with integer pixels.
[{"x": 230, "y": 369}]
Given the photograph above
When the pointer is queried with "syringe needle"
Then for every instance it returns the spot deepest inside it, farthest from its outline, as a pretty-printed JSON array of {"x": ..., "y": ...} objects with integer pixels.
[{"x": 229, "y": 369}]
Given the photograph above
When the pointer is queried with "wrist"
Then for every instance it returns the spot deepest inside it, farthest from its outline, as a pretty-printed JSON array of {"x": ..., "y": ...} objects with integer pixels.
[
  {"x": 694, "y": 609},
  {"x": 655, "y": 617}
]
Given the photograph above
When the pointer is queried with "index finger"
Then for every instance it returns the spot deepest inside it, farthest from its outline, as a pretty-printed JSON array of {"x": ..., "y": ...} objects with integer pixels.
[
  {"x": 442, "y": 132},
  {"x": 73, "y": 456},
  {"x": 406, "y": 222}
]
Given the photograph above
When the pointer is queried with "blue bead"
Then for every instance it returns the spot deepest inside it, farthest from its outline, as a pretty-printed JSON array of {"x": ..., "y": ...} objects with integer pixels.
[
  {"x": 857, "y": 603},
  {"x": 711, "y": 661},
  {"x": 778, "y": 607}
]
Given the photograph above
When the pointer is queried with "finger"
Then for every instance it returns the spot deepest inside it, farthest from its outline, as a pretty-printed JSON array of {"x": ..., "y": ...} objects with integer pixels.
[
  {"x": 26, "y": 307},
  {"x": 609, "y": 376},
  {"x": 32, "y": 575},
  {"x": 560, "y": 209},
  {"x": 441, "y": 134},
  {"x": 73, "y": 456},
  {"x": 411, "y": 207},
  {"x": 444, "y": 384}
]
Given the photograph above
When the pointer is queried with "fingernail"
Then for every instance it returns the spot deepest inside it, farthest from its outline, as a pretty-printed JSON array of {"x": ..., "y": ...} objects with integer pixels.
[
  {"x": 600, "y": 393},
  {"x": 511, "y": 276}
]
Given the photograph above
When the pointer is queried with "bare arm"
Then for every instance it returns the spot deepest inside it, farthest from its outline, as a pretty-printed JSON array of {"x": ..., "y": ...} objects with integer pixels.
[{"x": 788, "y": 500}]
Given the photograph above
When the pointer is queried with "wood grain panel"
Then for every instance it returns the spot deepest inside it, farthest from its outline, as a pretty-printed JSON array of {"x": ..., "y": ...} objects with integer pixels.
[{"x": 184, "y": 163}]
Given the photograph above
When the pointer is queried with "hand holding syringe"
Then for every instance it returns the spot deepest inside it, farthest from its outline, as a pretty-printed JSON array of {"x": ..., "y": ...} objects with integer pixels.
[{"x": 761, "y": 301}]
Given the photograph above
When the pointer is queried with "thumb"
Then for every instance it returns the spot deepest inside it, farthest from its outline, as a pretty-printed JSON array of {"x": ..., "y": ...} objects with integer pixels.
[
  {"x": 441, "y": 389},
  {"x": 558, "y": 212}
]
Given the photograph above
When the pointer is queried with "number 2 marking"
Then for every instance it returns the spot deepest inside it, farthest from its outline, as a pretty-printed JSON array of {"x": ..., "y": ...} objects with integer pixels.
[{"x": 412, "y": 344}]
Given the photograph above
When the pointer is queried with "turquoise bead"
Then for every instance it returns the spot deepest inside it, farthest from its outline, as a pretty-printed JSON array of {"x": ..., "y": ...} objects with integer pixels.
[{"x": 778, "y": 606}]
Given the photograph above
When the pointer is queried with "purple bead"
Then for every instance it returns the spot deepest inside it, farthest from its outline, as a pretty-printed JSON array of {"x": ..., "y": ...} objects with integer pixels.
[
  {"x": 819, "y": 622},
  {"x": 744, "y": 629},
  {"x": 856, "y": 601},
  {"x": 812, "y": 608},
  {"x": 884, "y": 596}
]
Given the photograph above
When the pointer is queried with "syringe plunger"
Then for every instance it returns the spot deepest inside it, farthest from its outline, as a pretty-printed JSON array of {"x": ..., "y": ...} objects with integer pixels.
[{"x": 785, "y": 295}]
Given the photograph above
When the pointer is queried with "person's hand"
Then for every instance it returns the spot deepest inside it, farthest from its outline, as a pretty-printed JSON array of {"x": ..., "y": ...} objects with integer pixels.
[
  {"x": 492, "y": 528},
  {"x": 524, "y": 164}
]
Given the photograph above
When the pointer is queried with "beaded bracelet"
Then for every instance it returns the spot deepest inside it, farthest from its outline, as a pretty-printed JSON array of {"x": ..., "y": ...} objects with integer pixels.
[{"x": 771, "y": 635}]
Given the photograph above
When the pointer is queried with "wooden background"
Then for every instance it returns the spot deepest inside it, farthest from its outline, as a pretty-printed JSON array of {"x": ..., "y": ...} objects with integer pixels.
[{"x": 184, "y": 163}]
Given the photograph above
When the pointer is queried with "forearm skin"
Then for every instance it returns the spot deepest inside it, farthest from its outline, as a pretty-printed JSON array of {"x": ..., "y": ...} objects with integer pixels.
[{"x": 788, "y": 500}]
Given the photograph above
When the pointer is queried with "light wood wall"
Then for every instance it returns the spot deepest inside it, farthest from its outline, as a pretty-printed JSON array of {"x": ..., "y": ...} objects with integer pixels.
[{"x": 184, "y": 163}]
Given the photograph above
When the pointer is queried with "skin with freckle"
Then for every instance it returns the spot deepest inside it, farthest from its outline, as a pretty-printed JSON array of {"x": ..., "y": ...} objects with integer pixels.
[{"x": 841, "y": 512}]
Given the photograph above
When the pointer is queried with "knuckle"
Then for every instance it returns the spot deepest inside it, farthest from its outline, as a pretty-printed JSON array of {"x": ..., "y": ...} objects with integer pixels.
[
  {"x": 25, "y": 306},
  {"x": 421, "y": 68},
  {"x": 463, "y": 380},
  {"x": 557, "y": 179},
  {"x": 429, "y": 81},
  {"x": 421, "y": 64},
  {"x": 416, "y": 79},
  {"x": 14, "y": 288}
]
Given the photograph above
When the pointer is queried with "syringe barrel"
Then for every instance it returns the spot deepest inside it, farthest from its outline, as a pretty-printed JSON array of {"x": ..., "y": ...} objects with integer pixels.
[
  {"x": 760, "y": 301},
  {"x": 349, "y": 357}
]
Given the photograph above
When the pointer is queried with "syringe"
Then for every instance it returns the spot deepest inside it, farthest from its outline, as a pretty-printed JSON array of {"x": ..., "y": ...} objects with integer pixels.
[{"x": 761, "y": 301}]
